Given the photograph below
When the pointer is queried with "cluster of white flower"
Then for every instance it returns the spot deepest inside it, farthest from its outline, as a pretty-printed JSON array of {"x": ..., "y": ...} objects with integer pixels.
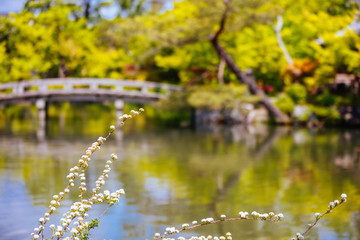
[
  {"x": 101, "y": 180},
  {"x": 244, "y": 215},
  {"x": 171, "y": 230},
  {"x": 185, "y": 226},
  {"x": 336, "y": 203},
  {"x": 82, "y": 186},
  {"x": 264, "y": 216},
  {"x": 317, "y": 216},
  {"x": 299, "y": 236},
  {"x": 343, "y": 197},
  {"x": 209, "y": 237},
  {"x": 78, "y": 210},
  {"x": 207, "y": 220}
]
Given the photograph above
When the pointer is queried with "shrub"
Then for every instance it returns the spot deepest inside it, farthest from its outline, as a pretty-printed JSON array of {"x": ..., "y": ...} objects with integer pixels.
[
  {"x": 297, "y": 92},
  {"x": 285, "y": 103},
  {"x": 326, "y": 114},
  {"x": 326, "y": 99}
]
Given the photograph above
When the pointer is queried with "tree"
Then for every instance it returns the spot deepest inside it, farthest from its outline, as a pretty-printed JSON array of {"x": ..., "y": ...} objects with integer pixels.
[
  {"x": 245, "y": 78},
  {"x": 194, "y": 22}
]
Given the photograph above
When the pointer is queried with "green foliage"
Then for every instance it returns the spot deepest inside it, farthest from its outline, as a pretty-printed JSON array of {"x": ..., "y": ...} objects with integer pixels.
[
  {"x": 149, "y": 40},
  {"x": 173, "y": 111},
  {"x": 59, "y": 38},
  {"x": 285, "y": 103},
  {"x": 256, "y": 48},
  {"x": 221, "y": 97},
  {"x": 326, "y": 99},
  {"x": 326, "y": 114},
  {"x": 84, "y": 235},
  {"x": 340, "y": 54},
  {"x": 297, "y": 92}
]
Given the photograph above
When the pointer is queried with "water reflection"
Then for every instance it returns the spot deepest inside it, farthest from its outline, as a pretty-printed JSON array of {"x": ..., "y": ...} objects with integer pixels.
[{"x": 176, "y": 176}]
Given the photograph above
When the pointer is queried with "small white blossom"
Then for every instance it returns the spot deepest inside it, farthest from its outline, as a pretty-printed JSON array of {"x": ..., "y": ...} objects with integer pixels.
[{"x": 343, "y": 197}]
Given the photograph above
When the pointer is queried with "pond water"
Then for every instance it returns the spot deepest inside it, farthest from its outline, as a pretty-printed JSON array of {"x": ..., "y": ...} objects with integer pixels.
[{"x": 173, "y": 177}]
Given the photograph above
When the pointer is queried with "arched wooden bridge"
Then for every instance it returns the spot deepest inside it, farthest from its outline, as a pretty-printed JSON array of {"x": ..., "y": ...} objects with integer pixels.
[
  {"x": 44, "y": 91},
  {"x": 84, "y": 90}
]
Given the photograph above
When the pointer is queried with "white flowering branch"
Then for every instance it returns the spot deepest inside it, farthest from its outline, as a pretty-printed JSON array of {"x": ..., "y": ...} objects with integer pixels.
[
  {"x": 318, "y": 216},
  {"x": 206, "y": 221},
  {"x": 78, "y": 210}
]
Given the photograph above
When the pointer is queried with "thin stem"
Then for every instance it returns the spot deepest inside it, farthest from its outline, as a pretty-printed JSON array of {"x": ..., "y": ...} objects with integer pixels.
[
  {"x": 213, "y": 222},
  {"x": 318, "y": 216}
]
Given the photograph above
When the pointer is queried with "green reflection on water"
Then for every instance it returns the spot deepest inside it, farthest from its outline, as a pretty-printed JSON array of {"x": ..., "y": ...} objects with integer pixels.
[
  {"x": 177, "y": 176},
  {"x": 298, "y": 175}
]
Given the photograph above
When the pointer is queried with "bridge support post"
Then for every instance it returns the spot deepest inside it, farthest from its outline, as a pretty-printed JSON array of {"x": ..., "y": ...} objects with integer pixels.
[
  {"x": 41, "y": 107},
  {"x": 119, "y": 107}
]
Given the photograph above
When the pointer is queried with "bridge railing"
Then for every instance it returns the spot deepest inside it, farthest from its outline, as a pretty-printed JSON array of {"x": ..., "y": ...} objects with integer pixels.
[{"x": 85, "y": 86}]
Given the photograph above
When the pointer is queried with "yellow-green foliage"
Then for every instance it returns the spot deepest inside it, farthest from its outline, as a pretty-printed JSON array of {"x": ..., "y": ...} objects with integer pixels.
[
  {"x": 297, "y": 92},
  {"x": 219, "y": 97},
  {"x": 285, "y": 103},
  {"x": 326, "y": 114},
  {"x": 45, "y": 40}
]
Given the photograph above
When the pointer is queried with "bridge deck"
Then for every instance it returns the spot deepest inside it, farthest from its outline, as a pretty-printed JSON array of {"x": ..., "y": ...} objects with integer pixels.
[{"x": 84, "y": 89}]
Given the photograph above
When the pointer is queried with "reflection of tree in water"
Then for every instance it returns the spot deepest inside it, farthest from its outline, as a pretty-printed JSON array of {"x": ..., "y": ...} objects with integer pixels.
[{"x": 348, "y": 152}]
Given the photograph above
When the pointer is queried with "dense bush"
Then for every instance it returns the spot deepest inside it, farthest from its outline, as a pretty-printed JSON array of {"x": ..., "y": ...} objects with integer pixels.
[
  {"x": 297, "y": 92},
  {"x": 285, "y": 103}
]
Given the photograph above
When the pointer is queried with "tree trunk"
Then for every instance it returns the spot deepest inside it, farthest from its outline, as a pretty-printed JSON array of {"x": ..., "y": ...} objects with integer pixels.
[
  {"x": 244, "y": 78},
  {"x": 250, "y": 82},
  {"x": 61, "y": 68},
  {"x": 87, "y": 6},
  {"x": 281, "y": 43},
  {"x": 221, "y": 70}
]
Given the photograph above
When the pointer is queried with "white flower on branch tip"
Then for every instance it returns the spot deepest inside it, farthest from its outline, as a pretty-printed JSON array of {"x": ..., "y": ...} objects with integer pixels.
[
  {"x": 343, "y": 197},
  {"x": 170, "y": 230},
  {"x": 185, "y": 226},
  {"x": 331, "y": 205},
  {"x": 244, "y": 215},
  {"x": 299, "y": 236}
]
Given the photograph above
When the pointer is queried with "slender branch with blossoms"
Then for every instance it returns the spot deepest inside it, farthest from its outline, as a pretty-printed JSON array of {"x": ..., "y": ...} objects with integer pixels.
[
  {"x": 206, "y": 221},
  {"x": 244, "y": 216},
  {"x": 78, "y": 210},
  {"x": 318, "y": 216}
]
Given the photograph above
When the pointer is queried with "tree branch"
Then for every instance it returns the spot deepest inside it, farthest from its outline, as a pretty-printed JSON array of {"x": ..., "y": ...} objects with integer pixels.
[
  {"x": 277, "y": 29},
  {"x": 222, "y": 21}
]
